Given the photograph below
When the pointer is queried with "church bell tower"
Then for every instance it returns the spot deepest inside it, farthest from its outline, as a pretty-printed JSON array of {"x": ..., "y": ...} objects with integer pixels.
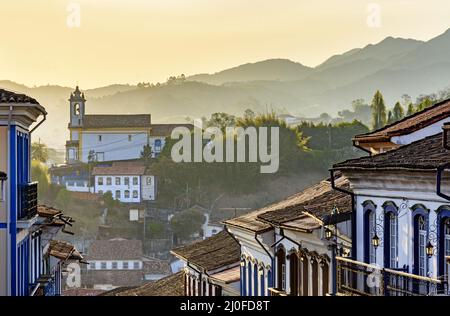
[{"x": 77, "y": 108}]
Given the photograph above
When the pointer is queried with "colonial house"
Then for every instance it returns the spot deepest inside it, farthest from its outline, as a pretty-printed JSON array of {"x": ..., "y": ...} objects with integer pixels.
[
  {"x": 111, "y": 137},
  {"x": 128, "y": 182},
  {"x": 284, "y": 249},
  {"x": 414, "y": 127},
  {"x": 402, "y": 220},
  {"x": 211, "y": 266},
  {"x": 118, "y": 263},
  {"x": 24, "y": 239}
]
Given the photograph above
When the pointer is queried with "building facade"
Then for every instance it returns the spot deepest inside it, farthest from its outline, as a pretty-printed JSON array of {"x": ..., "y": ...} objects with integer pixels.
[
  {"x": 128, "y": 182},
  {"x": 24, "y": 265}
]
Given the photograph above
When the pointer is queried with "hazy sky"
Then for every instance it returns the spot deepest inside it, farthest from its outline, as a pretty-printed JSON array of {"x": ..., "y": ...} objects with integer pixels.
[{"x": 128, "y": 41}]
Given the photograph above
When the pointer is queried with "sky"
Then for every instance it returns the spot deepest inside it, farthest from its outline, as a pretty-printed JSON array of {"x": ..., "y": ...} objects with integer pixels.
[{"x": 99, "y": 42}]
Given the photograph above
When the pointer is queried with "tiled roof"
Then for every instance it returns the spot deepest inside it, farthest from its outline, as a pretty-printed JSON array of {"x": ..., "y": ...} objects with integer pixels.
[
  {"x": 155, "y": 266},
  {"x": 212, "y": 253},
  {"x": 115, "y": 249},
  {"x": 134, "y": 168},
  {"x": 12, "y": 97},
  {"x": 286, "y": 209},
  {"x": 228, "y": 276},
  {"x": 113, "y": 277},
  {"x": 63, "y": 251},
  {"x": 166, "y": 129},
  {"x": 172, "y": 285},
  {"x": 304, "y": 210},
  {"x": 82, "y": 292},
  {"x": 117, "y": 121},
  {"x": 48, "y": 211},
  {"x": 409, "y": 124},
  {"x": 427, "y": 153}
]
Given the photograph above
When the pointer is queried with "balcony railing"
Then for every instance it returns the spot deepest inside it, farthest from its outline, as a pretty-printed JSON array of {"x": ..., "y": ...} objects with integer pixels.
[
  {"x": 27, "y": 201},
  {"x": 44, "y": 286},
  {"x": 358, "y": 278},
  {"x": 275, "y": 292}
]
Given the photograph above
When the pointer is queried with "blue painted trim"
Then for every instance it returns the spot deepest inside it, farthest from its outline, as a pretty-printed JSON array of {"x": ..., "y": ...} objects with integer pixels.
[
  {"x": 389, "y": 208},
  {"x": 3, "y": 225},
  {"x": 368, "y": 208},
  {"x": 443, "y": 215},
  {"x": 263, "y": 285},
  {"x": 250, "y": 283},
  {"x": 13, "y": 208},
  {"x": 255, "y": 280},
  {"x": 418, "y": 212}
]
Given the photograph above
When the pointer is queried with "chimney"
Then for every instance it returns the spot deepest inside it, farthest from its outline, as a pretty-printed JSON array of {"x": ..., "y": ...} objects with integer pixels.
[{"x": 446, "y": 136}]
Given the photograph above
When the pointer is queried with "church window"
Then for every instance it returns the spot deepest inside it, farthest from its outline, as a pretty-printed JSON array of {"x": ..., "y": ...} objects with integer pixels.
[{"x": 76, "y": 109}]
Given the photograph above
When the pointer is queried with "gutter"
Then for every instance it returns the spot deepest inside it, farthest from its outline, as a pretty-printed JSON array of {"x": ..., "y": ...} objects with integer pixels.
[
  {"x": 353, "y": 219},
  {"x": 262, "y": 246},
  {"x": 39, "y": 124},
  {"x": 439, "y": 171}
]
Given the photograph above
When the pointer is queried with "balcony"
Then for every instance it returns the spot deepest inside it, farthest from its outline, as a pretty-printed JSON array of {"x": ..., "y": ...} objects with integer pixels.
[
  {"x": 27, "y": 202},
  {"x": 361, "y": 279},
  {"x": 275, "y": 292},
  {"x": 45, "y": 286}
]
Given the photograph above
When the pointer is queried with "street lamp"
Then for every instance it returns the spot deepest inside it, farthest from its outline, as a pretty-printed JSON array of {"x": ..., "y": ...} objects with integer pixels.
[
  {"x": 375, "y": 241},
  {"x": 429, "y": 249},
  {"x": 328, "y": 234}
]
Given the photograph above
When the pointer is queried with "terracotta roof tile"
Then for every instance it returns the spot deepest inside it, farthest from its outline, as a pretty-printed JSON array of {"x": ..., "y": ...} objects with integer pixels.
[
  {"x": 63, "y": 251},
  {"x": 427, "y": 153},
  {"x": 13, "y": 97},
  {"x": 113, "y": 277},
  {"x": 172, "y": 285},
  {"x": 212, "y": 253},
  {"x": 317, "y": 200},
  {"x": 409, "y": 124},
  {"x": 120, "y": 168},
  {"x": 166, "y": 129},
  {"x": 117, "y": 121},
  {"x": 115, "y": 249}
]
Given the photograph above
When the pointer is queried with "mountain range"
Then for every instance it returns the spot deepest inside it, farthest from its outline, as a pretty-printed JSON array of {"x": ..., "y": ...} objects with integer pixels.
[{"x": 395, "y": 66}]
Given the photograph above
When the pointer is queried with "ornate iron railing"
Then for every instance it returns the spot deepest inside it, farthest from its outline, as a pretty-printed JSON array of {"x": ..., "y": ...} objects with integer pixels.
[
  {"x": 27, "y": 201},
  {"x": 358, "y": 278}
]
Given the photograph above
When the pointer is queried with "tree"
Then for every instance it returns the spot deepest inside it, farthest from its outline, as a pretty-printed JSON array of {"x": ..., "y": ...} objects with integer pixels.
[
  {"x": 39, "y": 152},
  {"x": 378, "y": 111},
  {"x": 410, "y": 110},
  {"x": 221, "y": 120},
  {"x": 398, "y": 112},
  {"x": 63, "y": 198},
  {"x": 249, "y": 114},
  {"x": 390, "y": 118},
  {"x": 91, "y": 156},
  {"x": 39, "y": 173},
  {"x": 187, "y": 222},
  {"x": 155, "y": 229},
  {"x": 146, "y": 153}
]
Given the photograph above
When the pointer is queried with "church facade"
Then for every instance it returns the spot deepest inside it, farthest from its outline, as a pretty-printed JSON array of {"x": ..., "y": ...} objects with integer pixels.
[{"x": 111, "y": 137}]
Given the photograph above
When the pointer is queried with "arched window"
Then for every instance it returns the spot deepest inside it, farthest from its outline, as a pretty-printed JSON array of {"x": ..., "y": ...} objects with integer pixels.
[
  {"x": 158, "y": 145},
  {"x": 255, "y": 279},
  {"x": 269, "y": 278},
  {"x": 262, "y": 281},
  {"x": 444, "y": 240},
  {"x": 420, "y": 223},
  {"x": 249, "y": 271},
  {"x": 281, "y": 269},
  {"x": 293, "y": 273},
  {"x": 204, "y": 287},
  {"x": 305, "y": 275},
  {"x": 325, "y": 277},
  {"x": 369, "y": 231},
  {"x": 315, "y": 276},
  {"x": 390, "y": 235},
  {"x": 243, "y": 278}
]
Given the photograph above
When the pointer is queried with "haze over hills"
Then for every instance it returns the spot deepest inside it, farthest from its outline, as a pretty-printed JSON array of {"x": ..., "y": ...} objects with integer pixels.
[{"x": 395, "y": 66}]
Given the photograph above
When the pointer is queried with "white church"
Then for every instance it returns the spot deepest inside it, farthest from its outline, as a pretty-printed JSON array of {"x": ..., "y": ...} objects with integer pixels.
[{"x": 111, "y": 137}]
